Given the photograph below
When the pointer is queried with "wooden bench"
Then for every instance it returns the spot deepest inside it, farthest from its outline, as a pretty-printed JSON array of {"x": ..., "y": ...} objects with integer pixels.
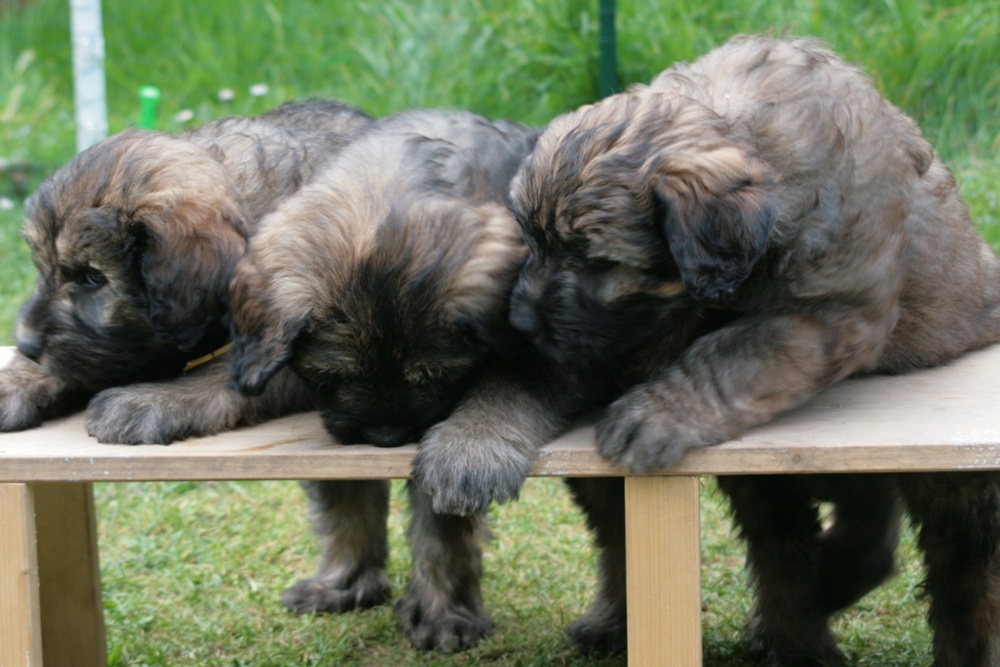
[{"x": 50, "y": 599}]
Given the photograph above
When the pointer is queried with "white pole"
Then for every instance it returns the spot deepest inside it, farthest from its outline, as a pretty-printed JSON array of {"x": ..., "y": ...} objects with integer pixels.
[{"x": 88, "y": 72}]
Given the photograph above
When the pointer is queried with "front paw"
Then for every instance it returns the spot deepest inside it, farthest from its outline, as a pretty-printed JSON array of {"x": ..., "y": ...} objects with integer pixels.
[
  {"x": 128, "y": 416},
  {"x": 642, "y": 431},
  {"x": 594, "y": 634},
  {"x": 334, "y": 596},
  {"x": 464, "y": 474},
  {"x": 17, "y": 409},
  {"x": 435, "y": 624}
]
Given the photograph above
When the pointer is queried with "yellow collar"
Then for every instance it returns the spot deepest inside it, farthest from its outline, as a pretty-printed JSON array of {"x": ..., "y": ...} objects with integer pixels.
[{"x": 194, "y": 363}]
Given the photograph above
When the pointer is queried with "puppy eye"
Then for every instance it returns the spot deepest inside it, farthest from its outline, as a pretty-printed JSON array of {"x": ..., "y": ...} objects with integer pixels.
[{"x": 90, "y": 278}]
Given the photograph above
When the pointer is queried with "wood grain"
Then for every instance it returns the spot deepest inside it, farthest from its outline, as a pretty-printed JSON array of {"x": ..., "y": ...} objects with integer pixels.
[
  {"x": 663, "y": 569},
  {"x": 20, "y": 621},
  {"x": 940, "y": 419},
  {"x": 69, "y": 576}
]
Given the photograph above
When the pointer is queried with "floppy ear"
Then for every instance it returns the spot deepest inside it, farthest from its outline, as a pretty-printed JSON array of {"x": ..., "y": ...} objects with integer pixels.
[
  {"x": 188, "y": 251},
  {"x": 478, "y": 293},
  {"x": 718, "y": 209},
  {"x": 263, "y": 334}
]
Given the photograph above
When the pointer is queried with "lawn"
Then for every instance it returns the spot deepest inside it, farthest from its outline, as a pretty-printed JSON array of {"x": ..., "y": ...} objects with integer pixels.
[{"x": 192, "y": 572}]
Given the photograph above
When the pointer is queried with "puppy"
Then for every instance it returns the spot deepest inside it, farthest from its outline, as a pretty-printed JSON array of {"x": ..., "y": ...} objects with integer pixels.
[
  {"x": 384, "y": 284},
  {"x": 135, "y": 241},
  {"x": 715, "y": 249}
]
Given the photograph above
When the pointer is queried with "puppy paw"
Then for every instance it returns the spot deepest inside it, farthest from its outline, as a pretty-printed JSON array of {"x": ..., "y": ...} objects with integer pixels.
[
  {"x": 133, "y": 416},
  {"x": 17, "y": 409},
  {"x": 433, "y": 624},
  {"x": 598, "y": 635},
  {"x": 27, "y": 395},
  {"x": 642, "y": 432},
  {"x": 334, "y": 596},
  {"x": 802, "y": 641},
  {"x": 464, "y": 472}
]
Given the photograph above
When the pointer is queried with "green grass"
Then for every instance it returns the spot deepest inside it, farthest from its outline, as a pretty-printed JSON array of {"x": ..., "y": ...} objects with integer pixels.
[{"x": 193, "y": 572}]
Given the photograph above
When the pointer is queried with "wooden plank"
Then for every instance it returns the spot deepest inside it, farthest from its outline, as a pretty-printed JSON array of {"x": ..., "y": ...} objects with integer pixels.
[
  {"x": 663, "y": 538},
  {"x": 72, "y": 615},
  {"x": 20, "y": 621},
  {"x": 939, "y": 419}
]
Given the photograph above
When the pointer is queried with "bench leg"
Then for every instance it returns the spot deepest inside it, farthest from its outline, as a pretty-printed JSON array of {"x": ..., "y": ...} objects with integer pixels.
[
  {"x": 50, "y": 595},
  {"x": 663, "y": 564},
  {"x": 20, "y": 623}
]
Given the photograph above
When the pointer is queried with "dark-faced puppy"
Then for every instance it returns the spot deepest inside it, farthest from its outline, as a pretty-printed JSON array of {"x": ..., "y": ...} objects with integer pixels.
[
  {"x": 135, "y": 241},
  {"x": 725, "y": 243},
  {"x": 384, "y": 284}
]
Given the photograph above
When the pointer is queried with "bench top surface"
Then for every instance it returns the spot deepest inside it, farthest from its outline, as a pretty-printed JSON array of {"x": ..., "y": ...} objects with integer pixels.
[{"x": 940, "y": 419}]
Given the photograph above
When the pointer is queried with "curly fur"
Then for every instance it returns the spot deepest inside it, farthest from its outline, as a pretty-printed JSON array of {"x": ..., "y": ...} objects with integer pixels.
[
  {"x": 135, "y": 241},
  {"x": 384, "y": 284},
  {"x": 715, "y": 248}
]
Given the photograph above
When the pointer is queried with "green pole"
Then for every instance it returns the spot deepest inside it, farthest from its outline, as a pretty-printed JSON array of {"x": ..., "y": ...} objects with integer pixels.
[
  {"x": 607, "y": 80},
  {"x": 149, "y": 99}
]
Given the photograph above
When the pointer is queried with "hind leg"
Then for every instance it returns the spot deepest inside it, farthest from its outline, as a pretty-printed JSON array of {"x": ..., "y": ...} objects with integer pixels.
[
  {"x": 958, "y": 516},
  {"x": 443, "y": 605},
  {"x": 778, "y": 519},
  {"x": 349, "y": 518},
  {"x": 857, "y": 551},
  {"x": 602, "y": 629}
]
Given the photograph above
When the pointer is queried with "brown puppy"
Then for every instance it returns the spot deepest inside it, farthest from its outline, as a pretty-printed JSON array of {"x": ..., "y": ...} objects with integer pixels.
[
  {"x": 135, "y": 241},
  {"x": 384, "y": 284},
  {"x": 715, "y": 249}
]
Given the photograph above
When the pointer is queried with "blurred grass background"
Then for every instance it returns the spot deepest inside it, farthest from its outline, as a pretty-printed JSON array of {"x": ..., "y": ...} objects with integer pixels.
[{"x": 193, "y": 572}]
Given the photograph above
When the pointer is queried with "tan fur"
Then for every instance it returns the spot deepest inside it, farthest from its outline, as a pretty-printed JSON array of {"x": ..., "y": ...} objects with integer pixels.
[
  {"x": 384, "y": 284},
  {"x": 816, "y": 234},
  {"x": 135, "y": 241}
]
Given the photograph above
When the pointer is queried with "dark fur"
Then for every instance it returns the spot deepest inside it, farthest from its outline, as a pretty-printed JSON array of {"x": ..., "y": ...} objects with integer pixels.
[
  {"x": 135, "y": 241},
  {"x": 384, "y": 284},
  {"x": 715, "y": 249}
]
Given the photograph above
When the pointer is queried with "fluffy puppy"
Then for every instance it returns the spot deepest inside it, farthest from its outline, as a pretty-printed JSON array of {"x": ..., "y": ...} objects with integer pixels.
[
  {"x": 384, "y": 284},
  {"x": 715, "y": 249},
  {"x": 135, "y": 241}
]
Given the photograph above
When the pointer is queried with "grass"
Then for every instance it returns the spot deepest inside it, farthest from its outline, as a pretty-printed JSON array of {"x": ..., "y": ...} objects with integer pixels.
[{"x": 193, "y": 572}]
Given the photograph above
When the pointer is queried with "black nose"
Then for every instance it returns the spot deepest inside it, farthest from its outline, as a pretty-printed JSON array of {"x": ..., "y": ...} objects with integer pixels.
[
  {"x": 388, "y": 436},
  {"x": 29, "y": 343},
  {"x": 523, "y": 316}
]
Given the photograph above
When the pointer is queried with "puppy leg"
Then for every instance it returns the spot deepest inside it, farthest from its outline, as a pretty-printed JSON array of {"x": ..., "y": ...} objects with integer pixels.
[
  {"x": 349, "y": 518},
  {"x": 192, "y": 405},
  {"x": 28, "y": 395},
  {"x": 602, "y": 629},
  {"x": 780, "y": 523},
  {"x": 958, "y": 515},
  {"x": 857, "y": 551},
  {"x": 484, "y": 450},
  {"x": 737, "y": 377},
  {"x": 443, "y": 606}
]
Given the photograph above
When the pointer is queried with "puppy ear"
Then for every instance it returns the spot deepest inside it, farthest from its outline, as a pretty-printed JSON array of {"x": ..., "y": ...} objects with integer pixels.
[
  {"x": 478, "y": 293},
  {"x": 188, "y": 253},
  {"x": 263, "y": 334},
  {"x": 718, "y": 209}
]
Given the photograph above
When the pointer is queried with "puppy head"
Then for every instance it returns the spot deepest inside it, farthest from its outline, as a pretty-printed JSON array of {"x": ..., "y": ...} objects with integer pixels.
[
  {"x": 133, "y": 241},
  {"x": 386, "y": 306},
  {"x": 632, "y": 207}
]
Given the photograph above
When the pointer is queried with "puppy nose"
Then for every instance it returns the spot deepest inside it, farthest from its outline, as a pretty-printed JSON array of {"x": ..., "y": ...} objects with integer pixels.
[
  {"x": 28, "y": 342},
  {"x": 387, "y": 436},
  {"x": 523, "y": 317}
]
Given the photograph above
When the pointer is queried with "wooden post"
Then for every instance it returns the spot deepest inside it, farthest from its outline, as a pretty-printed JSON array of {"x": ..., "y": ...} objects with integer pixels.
[
  {"x": 20, "y": 624},
  {"x": 663, "y": 542},
  {"x": 69, "y": 574}
]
